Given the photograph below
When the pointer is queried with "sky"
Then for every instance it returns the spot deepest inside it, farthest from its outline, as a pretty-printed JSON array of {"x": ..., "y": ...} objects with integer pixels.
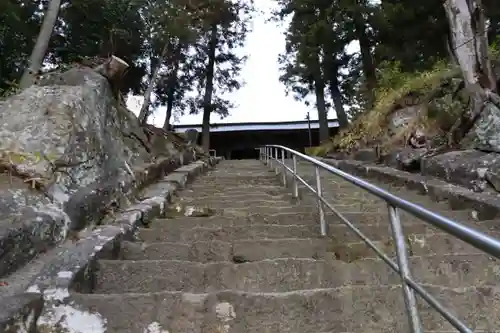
[{"x": 262, "y": 98}]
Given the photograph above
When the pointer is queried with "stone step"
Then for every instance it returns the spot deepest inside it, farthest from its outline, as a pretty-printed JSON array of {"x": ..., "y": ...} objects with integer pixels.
[
  {"x": 265, "y": 186},
  {"x": 239, "y": 204},
  {"x": 221, "y": 197},
  {"x": 236, "y": 192},
  {"x": 238, "y": 177},
  {"x": 226, "y": 233},
  {"x": 282, "y": 275},
  {"x": 238, "y": 251},
  {"x": 344, "y": 309},
  {"x": 270, "y": 209},
  {"x": 375, "y": 227},
  {"x": 221, "y": 221},
  {"x": 259, "y": 249},
  {"x": 230, "y": 200},
  {"x": 418, "y": 245}
]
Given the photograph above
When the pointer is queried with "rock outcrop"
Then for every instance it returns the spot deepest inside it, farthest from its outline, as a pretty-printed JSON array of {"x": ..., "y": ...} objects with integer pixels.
[
  {"x": 69, "y": 155},
  {"x": 409, "y": 129}
]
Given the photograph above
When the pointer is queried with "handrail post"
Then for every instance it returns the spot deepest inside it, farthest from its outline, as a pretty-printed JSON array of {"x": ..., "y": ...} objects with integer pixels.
[
  {"x": 404, "y": 270},
  {"x": 276, "y": 156},
  {"x": 270, "y": 157},
  {"x": 295, "y": 188},
  {"x": 283, "y": 157},
  {"x": 321, "y": 212}
]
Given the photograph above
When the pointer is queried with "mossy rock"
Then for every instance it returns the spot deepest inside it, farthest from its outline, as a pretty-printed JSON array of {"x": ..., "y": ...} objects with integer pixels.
[{"x": 418, "y": 88}]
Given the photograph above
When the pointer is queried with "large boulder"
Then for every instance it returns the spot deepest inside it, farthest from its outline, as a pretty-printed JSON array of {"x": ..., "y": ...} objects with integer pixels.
[
  {"x": 485, "y": 134},
  {"x": 68, "y": 150},
  {"x": 470, "y": 168},
  {"x": 402, "y": 118}
]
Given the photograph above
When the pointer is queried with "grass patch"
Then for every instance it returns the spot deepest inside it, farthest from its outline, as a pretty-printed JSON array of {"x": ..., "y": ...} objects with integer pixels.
[{"x": 397, "y": 90}]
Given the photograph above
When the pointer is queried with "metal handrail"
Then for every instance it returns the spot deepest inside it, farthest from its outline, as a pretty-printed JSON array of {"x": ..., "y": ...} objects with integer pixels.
[{"x": 482, "y": 241}]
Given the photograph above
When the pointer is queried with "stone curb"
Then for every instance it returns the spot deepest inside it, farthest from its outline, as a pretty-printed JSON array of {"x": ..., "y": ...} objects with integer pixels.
[
  {"x": 73, "y": 266},
  {"x": 485, "y": 206},
  {"x": 40, "y": 230}
]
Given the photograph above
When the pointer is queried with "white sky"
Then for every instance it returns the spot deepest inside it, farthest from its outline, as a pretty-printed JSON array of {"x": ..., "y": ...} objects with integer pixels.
[{"x": 262, "y": 98}]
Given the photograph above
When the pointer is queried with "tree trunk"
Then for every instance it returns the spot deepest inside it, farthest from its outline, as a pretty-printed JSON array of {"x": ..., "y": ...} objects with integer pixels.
[
  {"x": 331, "y": 70},
  {"x": 337, "y": 101},
  {"x": 319, "y": 89},
  {"x": 172, "y": 81},
  {"x": 469, "y": 42},
  {"x": 470, "y": 49},
  {"x": 144, "y": 113},
  {"x": 209, "y": 89},
  {"x": 170, "y": 105},
  {"x": 366, "y": 57},
  {"x": 41, "y": 45}
]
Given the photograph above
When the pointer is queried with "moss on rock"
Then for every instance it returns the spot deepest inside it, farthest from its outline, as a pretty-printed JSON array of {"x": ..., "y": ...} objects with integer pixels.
[{"x": 437, "y": 93}]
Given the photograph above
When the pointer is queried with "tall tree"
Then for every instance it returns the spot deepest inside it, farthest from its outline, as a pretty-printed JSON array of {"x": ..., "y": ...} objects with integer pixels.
[
  {"x": 399, "y": 33},
  {"x": 215, "y": 66},
  {"x": 19, "y": 26},
  {"x": 470, "y": 48},
  {"x": 314, "y": 55},
  {"x": 99, "y": 28},
  {"x": 42, "y": 42},
  {"x": 169, "y": 25}
]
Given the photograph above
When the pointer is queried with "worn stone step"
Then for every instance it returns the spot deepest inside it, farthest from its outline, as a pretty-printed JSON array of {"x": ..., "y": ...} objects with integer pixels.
[
  {"x": 237, "y": 182},
  {"x": 382, "y": 230},
  {"x": 375, "y": 227},
  {"x": 230, "y": 200},
  {"x": 344, "y": 309},
  {"x": 199, "y": 251},
  {"x": 241, "y": 210},
  {"x": 265, "y": 186},
  {"x": 417, "y": 244},
  {"x": 311, "y": 219},
  {"x": 239, "y": 204},
  {"x": 276, "y": 195},
  {"x": 208, "y": 192},
  {"x": 281, "y": 275},
  {"x": 351, "y": 197},
  {"x": 253, "y": 179},
  {"x": 239, "y": 251},
  {"x": 227, "y": 234},
  {"x": 222, "y": 221}
]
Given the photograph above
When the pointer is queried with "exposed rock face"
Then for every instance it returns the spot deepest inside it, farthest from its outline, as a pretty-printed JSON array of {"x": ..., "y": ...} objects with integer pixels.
[
  {"x": 401, "y": 118},
  {"x": 409, "y": 158},
  {"x": 485, "y": 134},
  {"x": 470, "y": 168},
  {"x": 67, "y": 153}
]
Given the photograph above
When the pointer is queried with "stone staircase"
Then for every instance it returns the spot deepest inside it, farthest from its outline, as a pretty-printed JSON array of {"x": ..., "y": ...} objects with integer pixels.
[{"x": 254, "y": 262}]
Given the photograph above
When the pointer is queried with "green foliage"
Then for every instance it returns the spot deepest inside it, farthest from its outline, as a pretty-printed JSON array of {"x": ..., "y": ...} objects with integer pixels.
[
  {"x": 145, "y": 33},
  {"x": 372, "y": 125},
  {"x": 19, "y": 24},
  {"x": 495, "y": 48},
  {"x": 231, "y": 21}
]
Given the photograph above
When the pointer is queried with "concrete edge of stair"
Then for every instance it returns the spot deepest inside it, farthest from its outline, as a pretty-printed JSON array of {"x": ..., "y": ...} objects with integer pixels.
[
  {"x": 50, "y": 288},
  {"x": 484, "y": 206}
]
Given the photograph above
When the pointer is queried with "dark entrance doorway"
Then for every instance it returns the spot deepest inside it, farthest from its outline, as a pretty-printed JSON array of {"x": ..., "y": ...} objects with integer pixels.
[{"x": 245, "y": 154}]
